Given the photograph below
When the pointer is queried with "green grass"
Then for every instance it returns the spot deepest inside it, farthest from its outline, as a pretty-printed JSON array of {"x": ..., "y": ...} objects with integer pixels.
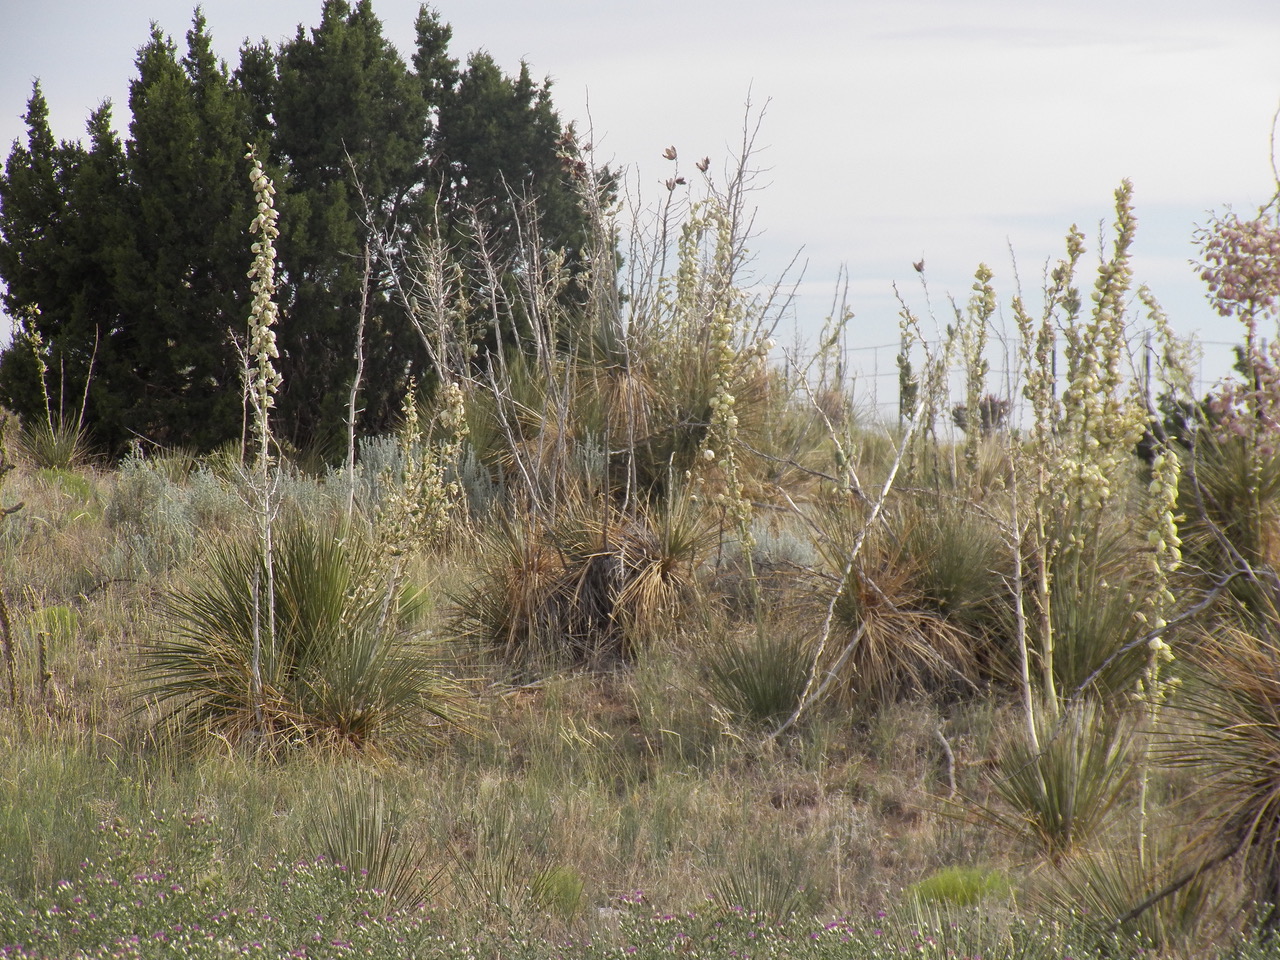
[
  {"x": 157, "y": 889},
  {"x": 572, "y": 784},
  {"x": 963, "y": 886}
]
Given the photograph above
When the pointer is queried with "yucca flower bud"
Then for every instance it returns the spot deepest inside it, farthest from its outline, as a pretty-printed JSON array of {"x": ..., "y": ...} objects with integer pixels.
[{"x": 264, "y": 379}]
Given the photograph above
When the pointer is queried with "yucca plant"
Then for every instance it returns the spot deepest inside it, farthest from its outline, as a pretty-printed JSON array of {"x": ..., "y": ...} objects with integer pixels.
[
  {"x": 1227, "y": 730},
  {"x": 758, "y": 678},
  {"x": 894, "y": 638},
  {"x": 364, "y": 830},
  {"x": 503, "y": 868},
  {"x": 1235, "y": 496},
  {"x": 1092, "y": 893},
  {"x": 583, "y": 588},
  {"x": 1057, "y": 799},
  {"x": 59, "y": 441},
  {"x": 959, "y": 565},
  {"x": 56, "y": 444},
  {"x": 348, "y": 666},
  {"x": 1099, "y": 609},
  {"x": 761, "y": 881}
]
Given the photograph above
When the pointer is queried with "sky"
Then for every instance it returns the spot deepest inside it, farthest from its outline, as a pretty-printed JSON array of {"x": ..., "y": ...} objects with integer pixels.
[{"x": 959, "y": 132}]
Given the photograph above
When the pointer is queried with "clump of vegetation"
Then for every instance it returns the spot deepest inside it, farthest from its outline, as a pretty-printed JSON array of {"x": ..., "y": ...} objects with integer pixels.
[
  {"x": 349, "y": 662},
  {"x": 590, "y": 588}
]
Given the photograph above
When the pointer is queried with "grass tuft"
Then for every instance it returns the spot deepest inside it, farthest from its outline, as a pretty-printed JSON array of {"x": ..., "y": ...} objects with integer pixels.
[{"x": 349, "y": 667}]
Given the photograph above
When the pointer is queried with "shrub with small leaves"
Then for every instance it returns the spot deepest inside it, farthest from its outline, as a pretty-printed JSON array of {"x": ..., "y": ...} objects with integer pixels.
[{"x": 1241, "y": 266}]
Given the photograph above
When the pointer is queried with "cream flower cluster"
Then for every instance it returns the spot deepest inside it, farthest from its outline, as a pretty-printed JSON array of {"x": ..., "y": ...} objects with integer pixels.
[
  {"x": 264, "y": 379},
  {"x": 28, "y": 318},
  {"x": 973, "y": 345},
  {"x": 423, "y": 504},
  {"x": 1166, "y": 472},
  {"x": 723, "y": 430},
  {"x": 1162, "y": 514},
  {"x": 1102, "y": 417}
]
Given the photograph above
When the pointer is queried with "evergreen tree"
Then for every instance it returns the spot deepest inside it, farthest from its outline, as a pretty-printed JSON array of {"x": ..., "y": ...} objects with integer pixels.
[
  {"x": 496, "y": 147},
  {"x": 350, "y": 117},
  {"x": 100, "y": 243},
  {"x": 32, "y": 213},
  {"x": 255, "y": 79},
  {"x": 185, "y": 287},
  {"x": 436, "y": 71},
  {"x": 136, "y": 254},
  {"x": 63, "y": 235},
  {"x": 496, "y": 160}
]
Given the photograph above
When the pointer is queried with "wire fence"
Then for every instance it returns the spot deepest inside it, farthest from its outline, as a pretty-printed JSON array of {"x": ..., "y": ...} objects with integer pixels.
[{"x": 872, "y": 376}]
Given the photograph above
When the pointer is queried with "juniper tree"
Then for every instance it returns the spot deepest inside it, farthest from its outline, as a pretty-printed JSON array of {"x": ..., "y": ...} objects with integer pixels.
[
  {"x": 64, "y": 235},
  {"x": 135, "y": 252},
  {"x": 350, "y": 119},
  {"x": 185, "y": 287}
]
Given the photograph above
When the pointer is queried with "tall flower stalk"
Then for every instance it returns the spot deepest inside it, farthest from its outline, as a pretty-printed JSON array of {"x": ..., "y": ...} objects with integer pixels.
[
  {"x": 263, "y": 382},
  {"x": 1241, "y": 266},
  {"x": 1081, "y": 441},
  {"x": 973, "y": 344},
  {"x": 425, "y": 502}
]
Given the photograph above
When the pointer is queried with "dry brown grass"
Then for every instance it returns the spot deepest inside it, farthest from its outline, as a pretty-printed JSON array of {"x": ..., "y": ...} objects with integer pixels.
[{"x": 604, "y": 780}]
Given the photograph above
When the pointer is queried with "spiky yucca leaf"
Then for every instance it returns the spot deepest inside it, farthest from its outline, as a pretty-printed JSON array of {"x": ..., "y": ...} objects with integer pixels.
[
  {"x": 364, "y": 830},
  {"x": 1093, "y": 892},
  {"x": 895, "y": 638},
  {"x": 56, "y": 444},
  {"x": 1240, "y": 492},
  {"x": 761, "y": 678},
  {"x": 1227, "y": 729},
  {"x": 503, "y": 867},
  {"x": 584, "y": 588},
  {"x": 1099, "y": 607},
  {"x": 959, "y": 559},
  {"x": 897, "y": 649},
  {"x": 1059, "y": 798},
  {"x": 771, "y": 885},
  {"x": 348, "y": 666}
]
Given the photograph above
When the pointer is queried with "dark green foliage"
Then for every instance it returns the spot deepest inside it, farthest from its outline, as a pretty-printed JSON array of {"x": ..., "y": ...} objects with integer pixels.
[
  {"x": 496, "y": 145},
  {"x": 136, "y": 253},
  {"x": 64, "y": 238},
  {"x": 350, "y": 118},
  {"x": 135, "y": 257},
  {"x": 185, "y": 286}
]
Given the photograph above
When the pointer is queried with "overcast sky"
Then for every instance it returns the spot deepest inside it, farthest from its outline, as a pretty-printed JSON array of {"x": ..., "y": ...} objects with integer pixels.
[{"x": 951, "y": 130}]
